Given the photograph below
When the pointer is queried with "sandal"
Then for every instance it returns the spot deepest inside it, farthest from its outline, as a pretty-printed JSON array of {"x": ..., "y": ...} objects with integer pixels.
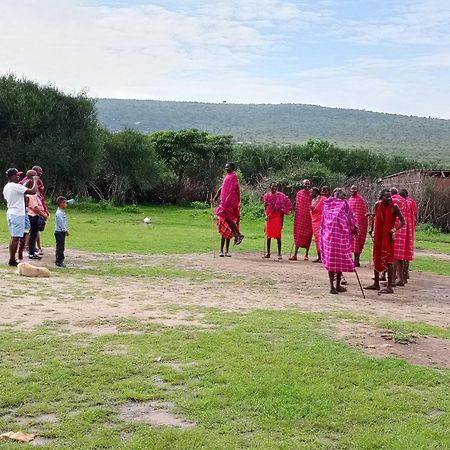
[
  {"x": 306, "y": 258},
  {"x": 292, "y": 258},
  {"x": 221, "y": 255},
  {"x": 372, "y": 287}
]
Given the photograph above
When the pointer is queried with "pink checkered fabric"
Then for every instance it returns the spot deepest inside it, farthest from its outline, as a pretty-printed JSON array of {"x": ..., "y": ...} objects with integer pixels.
[
  {"x": 336, "y": 236},
  {"x": 402, "y": 237},
  {"x": 303, "y": 231},
  {"x": 359, "y": 208}
]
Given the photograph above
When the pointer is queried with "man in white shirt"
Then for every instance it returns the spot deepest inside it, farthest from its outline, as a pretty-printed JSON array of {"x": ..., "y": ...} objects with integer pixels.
[{"x": 14, "y": 194}]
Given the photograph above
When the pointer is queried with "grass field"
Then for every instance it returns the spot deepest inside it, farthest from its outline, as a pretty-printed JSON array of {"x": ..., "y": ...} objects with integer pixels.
[
  {"x": 253, "y": 379},
  {"x": 262, "y": 380},
  {"x": 186, "y": 230}
]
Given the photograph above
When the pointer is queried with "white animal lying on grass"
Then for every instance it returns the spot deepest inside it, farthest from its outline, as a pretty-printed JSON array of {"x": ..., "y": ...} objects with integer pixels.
[{"x": 28, "y": 270}]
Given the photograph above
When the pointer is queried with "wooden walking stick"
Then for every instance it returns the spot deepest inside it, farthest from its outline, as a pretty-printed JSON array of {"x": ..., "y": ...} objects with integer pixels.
[
  {"x": 360, "y": 285},
  {"x": 212, "y": 227}
]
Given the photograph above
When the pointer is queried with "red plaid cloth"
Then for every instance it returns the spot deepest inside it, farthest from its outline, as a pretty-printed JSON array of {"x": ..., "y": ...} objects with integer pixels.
[
  {"x": 412, "y": 224},
  {"x": 359, "y": 208},
  {"x": 402, "y": 238},
  {"x": 223, "y": 228},
  {"x": 336, "y": 236},
  {"x": 302, "y": 219},
  {"x": 277, "y": 202}
]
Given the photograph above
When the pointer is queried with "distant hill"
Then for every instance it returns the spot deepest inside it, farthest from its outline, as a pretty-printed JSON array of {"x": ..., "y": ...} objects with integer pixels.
[{"x": 422, "y": 138}]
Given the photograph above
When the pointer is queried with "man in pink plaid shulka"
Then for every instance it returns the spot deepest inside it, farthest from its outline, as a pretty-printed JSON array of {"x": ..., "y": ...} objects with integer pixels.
[{"x": 336, "y": 239}]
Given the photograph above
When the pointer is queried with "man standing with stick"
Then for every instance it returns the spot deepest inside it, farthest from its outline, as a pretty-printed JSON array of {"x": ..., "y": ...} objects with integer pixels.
[
  {"x": 276, "y": 206},
  {"x": 336, "y": 238}
]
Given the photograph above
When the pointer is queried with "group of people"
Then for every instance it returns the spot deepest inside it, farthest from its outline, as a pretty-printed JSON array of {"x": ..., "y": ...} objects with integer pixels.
[
  {"x": 339, "y": 227},
  {"x": 27, "y": 215}
]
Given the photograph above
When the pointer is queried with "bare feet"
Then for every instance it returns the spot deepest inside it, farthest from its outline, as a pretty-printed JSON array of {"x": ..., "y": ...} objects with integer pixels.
[
  {"x": 266, "y": 256},
  {"x": 373, "y": 287},
  {"x": 333, "y": 291},
  {"x": 318, "y": 260},
  {"x": 341, "y": 289}
]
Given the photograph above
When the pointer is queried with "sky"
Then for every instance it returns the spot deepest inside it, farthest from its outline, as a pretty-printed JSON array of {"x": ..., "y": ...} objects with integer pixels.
[{"x": 379, "y": 55}]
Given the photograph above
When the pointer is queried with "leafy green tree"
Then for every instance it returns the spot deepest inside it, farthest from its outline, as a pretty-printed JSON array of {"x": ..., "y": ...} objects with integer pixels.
[
  {"x": 129, "y": 168},
  {"x": 193, "y": 155},
  {"x": 40, "y": 125}
]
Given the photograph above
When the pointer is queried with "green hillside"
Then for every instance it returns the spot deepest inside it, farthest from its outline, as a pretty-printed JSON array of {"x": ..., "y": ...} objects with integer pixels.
[{"x": 422, "y": 138}]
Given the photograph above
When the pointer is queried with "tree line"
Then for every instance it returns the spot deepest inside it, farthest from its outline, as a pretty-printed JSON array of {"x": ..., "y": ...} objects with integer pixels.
[{"x": 41, "y": 125}]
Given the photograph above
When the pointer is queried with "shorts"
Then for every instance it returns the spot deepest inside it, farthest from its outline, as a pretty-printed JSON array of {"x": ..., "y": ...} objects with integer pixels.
[
  {"x": 16, "y": 225},
  {"x": 27, "y": 224}
]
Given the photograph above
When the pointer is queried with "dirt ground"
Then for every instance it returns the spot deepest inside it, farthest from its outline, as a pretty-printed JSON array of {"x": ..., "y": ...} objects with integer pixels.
[{"x": 95, "y": 304}]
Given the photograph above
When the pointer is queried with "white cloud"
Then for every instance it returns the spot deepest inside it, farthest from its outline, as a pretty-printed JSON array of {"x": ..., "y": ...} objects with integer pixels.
[
  {"x": 416, "y": 22},
  {"x": 221, "y": 50}
]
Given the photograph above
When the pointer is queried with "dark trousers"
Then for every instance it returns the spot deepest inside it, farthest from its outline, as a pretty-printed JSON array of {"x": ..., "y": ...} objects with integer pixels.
[
  {"x": 60, "y": 237},
  {"x": 33, "y": 234}
]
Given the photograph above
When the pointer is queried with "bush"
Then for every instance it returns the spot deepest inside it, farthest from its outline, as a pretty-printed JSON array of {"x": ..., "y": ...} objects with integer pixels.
[{"x": 200, "y": 205}]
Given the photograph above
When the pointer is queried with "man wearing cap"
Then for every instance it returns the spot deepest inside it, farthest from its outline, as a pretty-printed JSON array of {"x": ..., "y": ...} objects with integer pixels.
[{"x": 14, "y": 194}]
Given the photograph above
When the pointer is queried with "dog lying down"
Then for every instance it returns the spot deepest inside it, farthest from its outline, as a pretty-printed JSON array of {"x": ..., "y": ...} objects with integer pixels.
[{"x": 28, "y": 270}]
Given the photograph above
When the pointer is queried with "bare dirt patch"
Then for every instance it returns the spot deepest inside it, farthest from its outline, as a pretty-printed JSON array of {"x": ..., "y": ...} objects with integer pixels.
[
  {"x": 96, "y": 304},
  {"x": 153, "y": 413},
  {"x": 423, "y": 350}
]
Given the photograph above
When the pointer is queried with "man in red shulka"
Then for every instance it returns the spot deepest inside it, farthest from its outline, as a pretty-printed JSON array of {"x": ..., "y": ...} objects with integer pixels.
[
  {"x": 383, "y": 229},
  {"x": 303, "y": 231},
  {"x": 360, "y": 210},
  {"x": 229, "y": 206},
  {"x": 276, "y": 206}
]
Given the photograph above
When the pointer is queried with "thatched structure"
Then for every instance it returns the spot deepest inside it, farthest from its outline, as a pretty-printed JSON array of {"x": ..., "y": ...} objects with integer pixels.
[{"x": 430, "y": 188}]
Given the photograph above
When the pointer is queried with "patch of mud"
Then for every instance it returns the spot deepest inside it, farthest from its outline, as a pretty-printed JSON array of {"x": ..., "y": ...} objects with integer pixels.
[
  {"x": 41, "y": 440},
  {"x": 423, "y": 350},
  {"x": 153, "y": 413}
]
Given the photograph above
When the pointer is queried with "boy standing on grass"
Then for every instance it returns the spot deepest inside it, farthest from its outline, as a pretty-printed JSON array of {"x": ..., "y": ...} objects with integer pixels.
[{"x": 61, "y": 230}]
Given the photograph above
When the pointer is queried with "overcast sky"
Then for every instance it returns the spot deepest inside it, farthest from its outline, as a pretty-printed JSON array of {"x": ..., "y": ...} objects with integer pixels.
[{"x": 383, "y": 55}]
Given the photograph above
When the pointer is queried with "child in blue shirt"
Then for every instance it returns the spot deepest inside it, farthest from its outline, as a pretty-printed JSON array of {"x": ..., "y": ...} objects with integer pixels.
[{"x": 61, "y": 230}]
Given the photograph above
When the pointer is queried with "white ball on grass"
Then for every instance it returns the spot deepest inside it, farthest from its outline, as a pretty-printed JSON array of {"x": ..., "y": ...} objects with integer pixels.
[{"x": 147, "y": 220}]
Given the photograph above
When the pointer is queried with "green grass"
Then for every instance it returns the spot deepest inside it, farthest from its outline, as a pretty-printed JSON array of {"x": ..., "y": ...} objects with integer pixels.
[
  {"x": 262, "y": 380},
  {"x": 176, "y": 229}
]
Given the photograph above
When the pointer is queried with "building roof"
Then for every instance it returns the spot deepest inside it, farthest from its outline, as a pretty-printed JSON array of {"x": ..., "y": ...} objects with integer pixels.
[{"x": 441, "y": 173}]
